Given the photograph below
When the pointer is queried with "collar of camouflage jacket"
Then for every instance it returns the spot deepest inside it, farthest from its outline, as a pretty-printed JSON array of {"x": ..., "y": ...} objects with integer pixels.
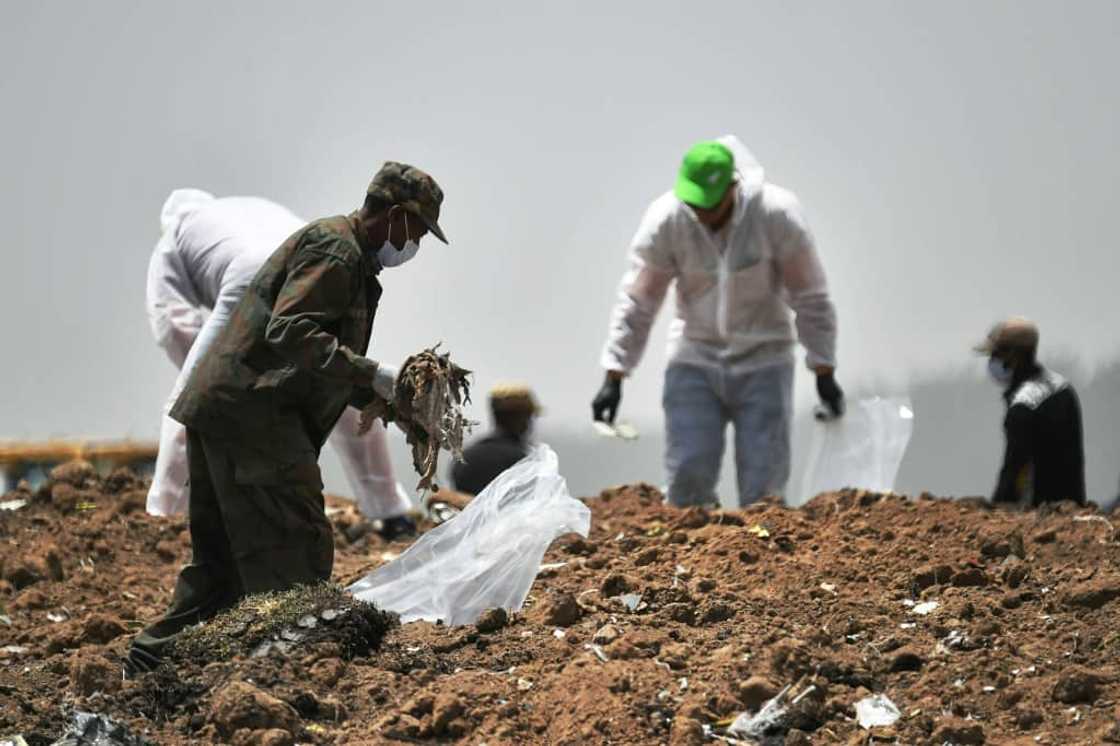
[{"x": 369, "y": 264}]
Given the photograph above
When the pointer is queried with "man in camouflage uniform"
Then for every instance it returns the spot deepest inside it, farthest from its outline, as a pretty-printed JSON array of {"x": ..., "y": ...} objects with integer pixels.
[{"x": 261, "y": 402}]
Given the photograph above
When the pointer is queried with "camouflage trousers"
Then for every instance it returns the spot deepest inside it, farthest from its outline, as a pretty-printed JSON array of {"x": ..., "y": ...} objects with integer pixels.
[{"x": 253, "y": 529}]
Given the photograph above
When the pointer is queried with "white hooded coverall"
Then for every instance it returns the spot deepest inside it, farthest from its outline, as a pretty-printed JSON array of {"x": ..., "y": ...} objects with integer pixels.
[
  {"x": 209, "y": 251},
  {"x": 739, "y": 295}
]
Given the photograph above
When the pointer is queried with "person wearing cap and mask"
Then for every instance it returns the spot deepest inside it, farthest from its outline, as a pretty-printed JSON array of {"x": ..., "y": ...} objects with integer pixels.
[
  {"x": 748, "y": 284},
  {"x": 514, "y": 408},
  {"x": 262, "y": 400},
  {"x": 209, "y": 251},
  {"x": 1044, "y": 458}
]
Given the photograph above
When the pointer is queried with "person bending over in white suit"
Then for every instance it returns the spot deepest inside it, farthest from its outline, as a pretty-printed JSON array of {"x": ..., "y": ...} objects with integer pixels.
[{"x": 208, "y": 253}]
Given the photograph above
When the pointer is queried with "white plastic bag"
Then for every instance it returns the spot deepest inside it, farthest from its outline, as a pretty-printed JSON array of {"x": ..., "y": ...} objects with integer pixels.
[
  {"x": 864, "y": 448},
  {"x": 488, "y": 555}
]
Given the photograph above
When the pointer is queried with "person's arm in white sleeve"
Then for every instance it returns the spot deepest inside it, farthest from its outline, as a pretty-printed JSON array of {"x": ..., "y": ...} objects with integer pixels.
[
  {"x": 806, "y": 286},
  {"x": 640, "y": 295},
  {"x": 174, "y": 313}
]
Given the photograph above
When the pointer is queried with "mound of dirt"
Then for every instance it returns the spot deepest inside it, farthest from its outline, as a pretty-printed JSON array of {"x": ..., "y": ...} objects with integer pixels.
[{"x": 980, "y": 625}]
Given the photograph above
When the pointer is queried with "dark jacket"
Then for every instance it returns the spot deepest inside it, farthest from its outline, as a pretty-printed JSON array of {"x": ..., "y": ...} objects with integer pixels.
[
  {"x": 485, "y": 459},
  {"x": 1044, "y": 460},
  {"x": 290, "y": 359}
]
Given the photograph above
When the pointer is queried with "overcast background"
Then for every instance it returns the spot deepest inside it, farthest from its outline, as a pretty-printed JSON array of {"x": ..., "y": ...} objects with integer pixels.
[{"x": 957, "y": 160}]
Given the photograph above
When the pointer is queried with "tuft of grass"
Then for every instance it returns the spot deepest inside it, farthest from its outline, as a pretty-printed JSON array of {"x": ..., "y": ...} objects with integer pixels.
[{"x": 286, "y": 619}]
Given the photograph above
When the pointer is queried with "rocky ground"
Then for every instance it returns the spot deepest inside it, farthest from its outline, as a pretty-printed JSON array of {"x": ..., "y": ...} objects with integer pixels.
[{"x": 980, "y": 625}]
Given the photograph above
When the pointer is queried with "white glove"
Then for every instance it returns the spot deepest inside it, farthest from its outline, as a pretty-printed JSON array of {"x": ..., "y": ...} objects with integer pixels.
[{"x": 384, "y": 381}]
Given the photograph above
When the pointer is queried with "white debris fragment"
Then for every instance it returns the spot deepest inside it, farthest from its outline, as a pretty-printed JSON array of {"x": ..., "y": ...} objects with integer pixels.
[
  {"x": 597, "y": 651},
  {"x": 876, "y": 710},
  {"x": 632, "y": 601}
]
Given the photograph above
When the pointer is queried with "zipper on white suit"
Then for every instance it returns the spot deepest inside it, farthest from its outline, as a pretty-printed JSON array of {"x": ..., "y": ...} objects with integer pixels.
[{"x": 723, "y": 310}]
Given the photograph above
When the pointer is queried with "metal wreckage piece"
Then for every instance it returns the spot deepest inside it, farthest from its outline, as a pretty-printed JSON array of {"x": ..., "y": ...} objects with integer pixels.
[{"x": 427, "y": 406}]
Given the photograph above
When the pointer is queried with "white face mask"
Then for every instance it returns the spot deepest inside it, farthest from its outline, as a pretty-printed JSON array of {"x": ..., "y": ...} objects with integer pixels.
[
  {"x": 999, "y": 371},
  {"x": 390, "y": 256}
]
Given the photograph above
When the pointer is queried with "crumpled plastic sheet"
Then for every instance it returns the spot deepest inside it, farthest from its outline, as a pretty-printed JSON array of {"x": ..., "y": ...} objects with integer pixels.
[{"x": 485, "y": 557}]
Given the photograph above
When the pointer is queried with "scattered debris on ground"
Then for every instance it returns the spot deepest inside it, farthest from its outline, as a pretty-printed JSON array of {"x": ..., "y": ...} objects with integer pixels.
[{"x": 663, "y": 626}]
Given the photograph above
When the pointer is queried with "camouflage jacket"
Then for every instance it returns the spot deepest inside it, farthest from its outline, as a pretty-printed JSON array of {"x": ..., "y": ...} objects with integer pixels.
[{"x": 290, "y": 359}]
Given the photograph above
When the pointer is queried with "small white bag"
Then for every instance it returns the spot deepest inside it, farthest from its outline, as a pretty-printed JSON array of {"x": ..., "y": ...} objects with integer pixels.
[{"x": 864, "y": 448}]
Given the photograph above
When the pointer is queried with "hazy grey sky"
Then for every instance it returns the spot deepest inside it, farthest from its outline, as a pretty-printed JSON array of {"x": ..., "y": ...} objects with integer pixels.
[{"x": 957, "y": 161}]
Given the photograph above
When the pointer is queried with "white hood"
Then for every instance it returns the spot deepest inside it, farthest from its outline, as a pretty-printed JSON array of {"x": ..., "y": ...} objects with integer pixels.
[
  {"x": 751, "y": 175},
  {"x": 181, "y": 203}
]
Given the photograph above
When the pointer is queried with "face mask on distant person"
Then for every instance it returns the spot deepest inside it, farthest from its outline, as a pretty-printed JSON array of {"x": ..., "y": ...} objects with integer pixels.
[
  {"x": 999, "y": 371},
  {"x": 390, "y": 256}
]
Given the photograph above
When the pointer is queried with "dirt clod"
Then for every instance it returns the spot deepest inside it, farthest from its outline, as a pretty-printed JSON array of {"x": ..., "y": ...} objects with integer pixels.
[
  {"x": 1027, "y": 718},
  {"x": 92, "y": 673},
  {"x": 560, "y": 610},
  {"x": 755, "y": 691},
  {"x": 971, "y": 577},
  {"x": 22, "y": 574},
  {"x": 615, "y": 584},
  {"x": 102, "y": 628},
  {"x": 74, "y": 472},
  {"x": 907, "y": 659},
  {"x": 445, "y": 709},
  {"x": 239, "y": 705},
  {"x": 1077, "y": 685},
  {"x": 930, "y": 576},
  {"x": 492, "y": 620},
  {"x": 606, "y": 634},
  {"x": 686, "y": 731},
  {"x": 1093, "y": 594},
  {"x": 957, "y": 731}
]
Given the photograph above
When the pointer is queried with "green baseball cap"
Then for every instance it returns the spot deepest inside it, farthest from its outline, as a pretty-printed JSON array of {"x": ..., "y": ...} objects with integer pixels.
[{"x": 705, "y": 174}]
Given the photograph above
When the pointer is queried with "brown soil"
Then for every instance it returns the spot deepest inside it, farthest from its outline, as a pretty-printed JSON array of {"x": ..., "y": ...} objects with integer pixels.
[{"x": 1022, "y": 646}]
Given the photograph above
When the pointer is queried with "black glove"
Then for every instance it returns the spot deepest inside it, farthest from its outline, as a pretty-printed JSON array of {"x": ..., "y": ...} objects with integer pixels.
[
  {"x": 604, "y": 406},
  {"x": 830, "y": 393}
]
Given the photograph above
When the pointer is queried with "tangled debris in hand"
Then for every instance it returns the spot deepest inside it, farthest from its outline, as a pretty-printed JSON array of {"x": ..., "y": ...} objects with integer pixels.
[{"x": 428, "y": 406}]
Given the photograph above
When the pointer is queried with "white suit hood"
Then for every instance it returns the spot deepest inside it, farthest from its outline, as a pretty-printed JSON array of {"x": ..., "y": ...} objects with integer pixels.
[
  {"x": 179, "y": 204},
  {"x": 751, "y": 175}
]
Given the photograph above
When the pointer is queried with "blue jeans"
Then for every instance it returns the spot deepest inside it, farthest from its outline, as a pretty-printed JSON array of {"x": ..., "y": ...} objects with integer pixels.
[{"x": 699, "y": 403}]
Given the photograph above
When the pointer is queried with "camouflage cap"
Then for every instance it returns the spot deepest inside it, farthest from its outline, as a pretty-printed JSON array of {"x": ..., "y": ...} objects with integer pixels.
[
  {"x": 1016, "y": 333},
  {"x": 412, "y": 189}
]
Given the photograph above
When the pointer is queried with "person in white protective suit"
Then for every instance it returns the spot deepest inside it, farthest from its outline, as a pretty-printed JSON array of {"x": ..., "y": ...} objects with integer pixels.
[
  {"x": 208, "y": 253},
  {"x": 746, "y": 273}
]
